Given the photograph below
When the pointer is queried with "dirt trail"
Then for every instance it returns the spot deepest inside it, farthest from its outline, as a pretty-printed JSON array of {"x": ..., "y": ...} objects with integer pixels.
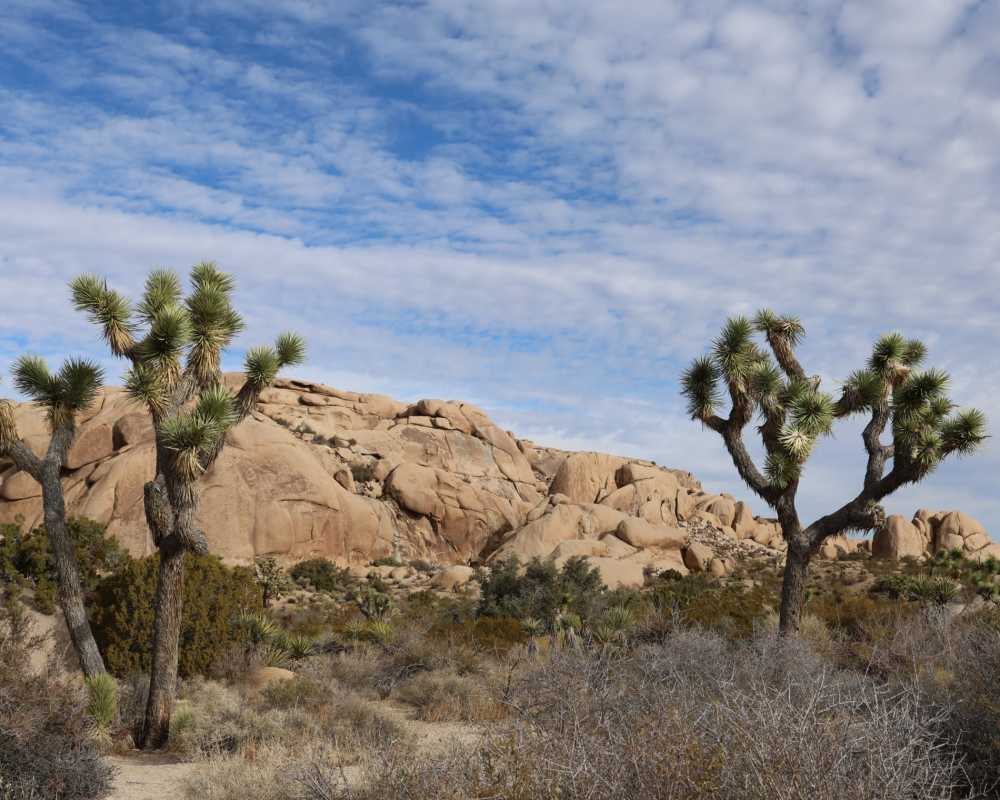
[
  {"x": 160, "y": 776},
  {"x": 152, "y": 776}
]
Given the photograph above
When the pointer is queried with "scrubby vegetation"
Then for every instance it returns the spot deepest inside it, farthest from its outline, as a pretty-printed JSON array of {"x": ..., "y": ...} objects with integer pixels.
[
  {"x": 47, "y": 749},
  {"x": 542, "y": 683},
  {"x": 26, "y": 559},
  {"x": 123, "y": 613}
]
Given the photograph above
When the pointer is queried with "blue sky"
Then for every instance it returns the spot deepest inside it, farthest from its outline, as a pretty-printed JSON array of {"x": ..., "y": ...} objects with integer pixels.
[{"x": 547, "y": 208}]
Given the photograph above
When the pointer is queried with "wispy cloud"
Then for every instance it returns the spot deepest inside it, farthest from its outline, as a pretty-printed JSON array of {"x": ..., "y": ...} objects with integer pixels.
[{"x": 544, "y": 208}]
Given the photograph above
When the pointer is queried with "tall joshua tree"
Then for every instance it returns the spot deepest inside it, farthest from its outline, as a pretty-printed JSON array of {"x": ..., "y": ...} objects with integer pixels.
[
  {"x": 911, "y": 404},
  {"x": 174, "y": 345},
  {"x": 63, "y": 395}
]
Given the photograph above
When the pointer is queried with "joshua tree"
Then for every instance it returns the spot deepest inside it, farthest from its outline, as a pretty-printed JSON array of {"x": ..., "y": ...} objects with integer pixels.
[
  {"x": 174, "y": 345},
  {"x": 63, "y": 395},
  {"x": 912, "y": 405}
]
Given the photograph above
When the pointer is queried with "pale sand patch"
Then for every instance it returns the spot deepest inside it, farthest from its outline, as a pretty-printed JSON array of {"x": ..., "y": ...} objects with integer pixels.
[{"x": 153, "y": 776}]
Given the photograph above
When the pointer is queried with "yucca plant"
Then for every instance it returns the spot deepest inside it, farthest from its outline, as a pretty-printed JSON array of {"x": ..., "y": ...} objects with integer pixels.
[
  {"x": 174, "y": 345},
  {"x": 378, "y": 631},
  {"x": 102, "y": 701},
  {"x": 255, "y": 627},
  {"x": 274, "y": 654},
  {"x": 891, "y": 391},
  {"x": 62, "y": 395},
  {"x": 300, "y": 646}
]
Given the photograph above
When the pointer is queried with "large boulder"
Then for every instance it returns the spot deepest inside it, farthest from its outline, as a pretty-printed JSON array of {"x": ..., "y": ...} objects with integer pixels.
[
  {"x": 586, "y": 477},
  {"x": 898, "y": 538},
  {"x": 639, "y": 533},
  {"x": 450, "y": 578},
  {"x": 931, "y": 532},
  {"x": 698, "y": 557},
  {"x": 562, "y": 521}
]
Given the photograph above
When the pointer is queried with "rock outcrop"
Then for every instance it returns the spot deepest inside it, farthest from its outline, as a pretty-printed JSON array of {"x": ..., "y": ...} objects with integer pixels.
[
  {"x": 930, "y": 532},
  {"x": 316, "y": 471}
]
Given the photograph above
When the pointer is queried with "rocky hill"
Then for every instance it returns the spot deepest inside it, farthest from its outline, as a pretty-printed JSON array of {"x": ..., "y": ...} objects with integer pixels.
[{"x": 355, "y": 477}]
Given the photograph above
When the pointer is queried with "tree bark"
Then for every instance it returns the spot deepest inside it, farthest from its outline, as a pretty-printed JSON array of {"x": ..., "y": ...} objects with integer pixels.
[
  {"x": 793, "y": 589},
  {"x": 68, "y": 571},
  {"x": 166, "y": 649}
]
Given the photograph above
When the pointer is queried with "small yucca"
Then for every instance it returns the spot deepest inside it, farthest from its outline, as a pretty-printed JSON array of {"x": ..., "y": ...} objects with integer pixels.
[{"x": 102, "y": 700}]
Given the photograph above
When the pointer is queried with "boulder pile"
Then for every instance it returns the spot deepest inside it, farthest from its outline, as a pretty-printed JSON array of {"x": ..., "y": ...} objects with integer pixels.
[
  {"x": 930, "y": 532},
  {"x": 317, "y": 471}
]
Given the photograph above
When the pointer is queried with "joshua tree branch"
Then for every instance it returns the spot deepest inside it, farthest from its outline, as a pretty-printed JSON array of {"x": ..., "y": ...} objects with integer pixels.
[
  {"x": 878, "y": 453},
  {"x": 731, "y": 431},
  {"x": 25, "y": 460},
  {"x": 785, "y": 356}
]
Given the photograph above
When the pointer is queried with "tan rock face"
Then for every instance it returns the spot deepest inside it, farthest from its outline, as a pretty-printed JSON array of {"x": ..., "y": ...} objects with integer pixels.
[
  {"x": 931, "y": 532},
  {"x": 639, "y": 533},
  {"x": 322, "y": 472},
  {"x": 698, "y": 557}
]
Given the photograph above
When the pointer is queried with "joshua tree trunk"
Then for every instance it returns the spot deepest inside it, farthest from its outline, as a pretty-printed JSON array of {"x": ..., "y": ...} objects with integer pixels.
[
  {"x": 793, "y": 589},
  {"x": 70, "y": 588},
  {"x": 47, "y": 473},
  {"x": 166, "y": 640}
]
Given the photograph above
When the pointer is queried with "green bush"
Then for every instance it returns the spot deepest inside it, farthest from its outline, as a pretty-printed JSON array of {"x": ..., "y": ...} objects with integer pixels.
[
  {"x": 213, "y": 596},
  {"x": 102, "y": 700},
  {"x": 322, "y": 575},
  {"x": 933, "y": 591},
  {"x": 542, "y": 591},
  {"x": 28, "y": 556},
  {"x": 703, "y": 601}
]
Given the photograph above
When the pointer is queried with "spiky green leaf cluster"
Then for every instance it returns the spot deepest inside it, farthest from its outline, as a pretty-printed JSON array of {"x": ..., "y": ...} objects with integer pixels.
[
  {"x": 215, "y": 322},
  {"x": 925, "y": 429},
  {"x": 788, "y": 328},
  {"x": 106, "y": 308},
  {"x": 864, "y": 390},
  {"x": 700, "y": 385},
  {"x": 735, "y": 352},
  {"x": 894, "y": 356},
  {"x": 964, "y": 432},
  {"x": 262, "y": 363},
  {"x": 62, "y": 394},
  {"x": 195, "y": 434},
  {"x": 163, "y": 289}
]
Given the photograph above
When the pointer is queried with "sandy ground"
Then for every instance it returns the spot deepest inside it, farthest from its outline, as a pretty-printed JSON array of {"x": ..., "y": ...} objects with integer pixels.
[
  {"x": 160, "y": 776},
  {"x": 151, "y": 776}
]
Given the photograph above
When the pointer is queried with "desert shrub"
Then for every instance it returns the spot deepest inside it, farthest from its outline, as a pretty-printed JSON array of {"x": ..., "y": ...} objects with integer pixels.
[
  {"x": 123, "y": 609},
  {"x": 227, "y": 776},
  {"x": 297, "y": 692},
  {"x": 703, "y": 601},
  {"x": 955, "y": 665},
  {"x": 45, "y": 597},
  {"x": 447, "y": 697},
  {"x": 211, "y": 718},
  {"x": 28, "y": 556},
  {"x": 423, "y": 566},
  {"x": 692, "y": 717},
  {"x": 541, "y": 591},
  {"x": 936, "y": 591},
  {"x": 45, "y": 749},
  {"x": 388, "y": 561},
  {"x": 322, "y": 575}
]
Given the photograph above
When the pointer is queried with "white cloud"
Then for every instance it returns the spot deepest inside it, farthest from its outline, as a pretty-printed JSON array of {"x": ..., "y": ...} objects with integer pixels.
[{"x": 546, "y": 208}]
